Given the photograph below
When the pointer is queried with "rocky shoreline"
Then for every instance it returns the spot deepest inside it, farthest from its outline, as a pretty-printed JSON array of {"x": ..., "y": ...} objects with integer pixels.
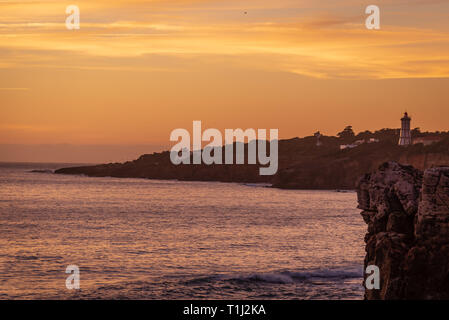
[{"x": 407, "y": 213}]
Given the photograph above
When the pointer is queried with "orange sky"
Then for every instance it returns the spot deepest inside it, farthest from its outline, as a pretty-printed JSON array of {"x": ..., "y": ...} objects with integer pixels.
[{"x": 136, "y": 70}]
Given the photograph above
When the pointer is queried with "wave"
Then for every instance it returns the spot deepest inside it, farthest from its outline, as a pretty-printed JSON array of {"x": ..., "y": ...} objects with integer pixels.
[
  {"x": 286, "y": 277},
  {"x": 258, "y": 185},
  {"x": 42, "y": 171}
]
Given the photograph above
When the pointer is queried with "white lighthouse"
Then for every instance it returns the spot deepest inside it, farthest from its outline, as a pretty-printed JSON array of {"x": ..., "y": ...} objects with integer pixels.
[{"x": 405, "y": 138}]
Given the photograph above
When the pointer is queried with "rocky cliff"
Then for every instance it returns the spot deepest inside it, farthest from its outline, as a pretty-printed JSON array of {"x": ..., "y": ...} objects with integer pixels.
[{"x": 407, "y": 212}]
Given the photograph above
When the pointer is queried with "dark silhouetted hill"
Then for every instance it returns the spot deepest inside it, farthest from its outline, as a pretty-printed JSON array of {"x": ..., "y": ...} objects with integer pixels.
[{"x": 302, "y": 164}]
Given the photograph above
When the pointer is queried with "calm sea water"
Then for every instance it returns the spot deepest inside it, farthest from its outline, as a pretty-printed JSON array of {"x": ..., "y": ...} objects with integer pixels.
[{"x": 144, "y": 239}]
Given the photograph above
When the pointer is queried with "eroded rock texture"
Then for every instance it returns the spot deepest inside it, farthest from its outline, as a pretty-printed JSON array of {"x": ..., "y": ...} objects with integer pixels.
[{"x": 407, "y": 213}]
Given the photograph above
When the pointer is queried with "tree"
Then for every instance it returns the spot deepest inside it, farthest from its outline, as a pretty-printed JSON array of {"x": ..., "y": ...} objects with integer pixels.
[
  {"x": 416, "y": 132},
  {"x": 365, "y": 135},
  {"x": 347, "y": 134}
]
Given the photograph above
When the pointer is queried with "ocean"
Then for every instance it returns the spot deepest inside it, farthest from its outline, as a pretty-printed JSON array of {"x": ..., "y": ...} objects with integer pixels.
[{"x": 153, "y": 239}]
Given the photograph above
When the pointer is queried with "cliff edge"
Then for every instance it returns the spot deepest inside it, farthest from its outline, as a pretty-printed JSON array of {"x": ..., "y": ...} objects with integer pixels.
[{"x": 407, "y": 213}]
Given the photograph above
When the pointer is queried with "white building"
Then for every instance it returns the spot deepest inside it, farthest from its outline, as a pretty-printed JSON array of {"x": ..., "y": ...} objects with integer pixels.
[{"x": 427, "y": 141}]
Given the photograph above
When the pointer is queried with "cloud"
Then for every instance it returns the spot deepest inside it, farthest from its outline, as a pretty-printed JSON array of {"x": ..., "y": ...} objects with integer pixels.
[{"x": 277, "y": 37}]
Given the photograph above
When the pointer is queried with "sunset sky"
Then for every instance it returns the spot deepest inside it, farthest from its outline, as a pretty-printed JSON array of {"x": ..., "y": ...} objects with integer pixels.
[{"x": 136, "y": 70}]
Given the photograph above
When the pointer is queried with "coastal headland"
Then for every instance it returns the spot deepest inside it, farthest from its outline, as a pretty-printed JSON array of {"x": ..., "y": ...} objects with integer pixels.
[{"x": 304, "y": 163}]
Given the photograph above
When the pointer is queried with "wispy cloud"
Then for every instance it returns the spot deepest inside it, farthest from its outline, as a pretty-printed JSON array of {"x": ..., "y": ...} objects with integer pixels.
[{"x": 290, "y": 36}]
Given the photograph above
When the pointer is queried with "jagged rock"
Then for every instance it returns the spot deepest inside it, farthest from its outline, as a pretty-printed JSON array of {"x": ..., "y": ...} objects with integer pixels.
[
  {"x": 407, "y": 214},
  {"x": 433, "y": 218}
]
